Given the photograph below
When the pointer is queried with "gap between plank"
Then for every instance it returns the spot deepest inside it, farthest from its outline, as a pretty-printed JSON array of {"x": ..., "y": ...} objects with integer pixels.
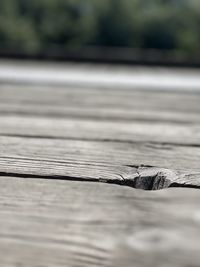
[{"x": 145, "y": 180}]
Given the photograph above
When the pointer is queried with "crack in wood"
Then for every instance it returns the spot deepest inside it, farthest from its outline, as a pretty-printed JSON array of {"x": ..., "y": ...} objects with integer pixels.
[
  {"x": 50, "y": 177},
  {"x": 145, "y": 178},
  {"x": 152, "y": 182},
  {"x": 184, "y": 185},
  {"x": 150, "y": 178}
]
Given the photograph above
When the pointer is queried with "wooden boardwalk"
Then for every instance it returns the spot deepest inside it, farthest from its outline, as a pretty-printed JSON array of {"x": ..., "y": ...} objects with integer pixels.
[{"x": 72, "y": 163}]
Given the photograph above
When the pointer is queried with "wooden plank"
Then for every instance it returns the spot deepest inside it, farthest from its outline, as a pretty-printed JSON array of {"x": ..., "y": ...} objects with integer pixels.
[
  {"x": 136, "y": 138},
  {"x": 75, "y": 137},
  {"x": 101, "y": 104},
  {"x": 132, "y": 144},
  {"x": 57, "y": 223},
  {"x": 100, "y": 113},
  {"x": 94, "y": 97},
  {"x": 99, "y": 130},
  {"x": 136, "y": 164}
]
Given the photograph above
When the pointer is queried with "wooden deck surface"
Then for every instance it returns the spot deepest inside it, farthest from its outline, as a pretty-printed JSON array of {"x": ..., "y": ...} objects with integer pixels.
[{"x": 73, "y": 162}]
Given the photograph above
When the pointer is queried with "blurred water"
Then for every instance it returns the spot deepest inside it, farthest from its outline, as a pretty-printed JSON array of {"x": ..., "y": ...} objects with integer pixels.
[{"x": 83, "y": 75}]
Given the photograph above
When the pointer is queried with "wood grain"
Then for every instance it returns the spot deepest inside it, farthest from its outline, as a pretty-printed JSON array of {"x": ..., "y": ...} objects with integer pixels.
[
  {"x": 69, "y": 159},
  {"x": 100, "y": 130},
  {"x": 58, "y": 223},
  {"x": 99, "y": 161},
  {"x": 92, "y": 134},
  {"x": 123, "y": 105}
]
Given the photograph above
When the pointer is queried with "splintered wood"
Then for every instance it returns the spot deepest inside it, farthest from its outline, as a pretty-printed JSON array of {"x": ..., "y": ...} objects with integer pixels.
[{"x": 57, "y": 144}]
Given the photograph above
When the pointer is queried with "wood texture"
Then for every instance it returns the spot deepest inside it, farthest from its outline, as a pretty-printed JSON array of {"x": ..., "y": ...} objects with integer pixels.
[
  {"x": 57, "y": 143},
  {"x": 101, "y": 161},
  {"x": 59, "y": 223},
  {"x": 49, "y": 132},
  {"x": 100, "y": 130},
  {"x": 101, "y": 104}
]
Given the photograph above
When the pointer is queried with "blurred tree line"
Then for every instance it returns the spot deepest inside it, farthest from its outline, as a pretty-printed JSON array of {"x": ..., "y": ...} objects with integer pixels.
[{"x": 153, "y": 24}]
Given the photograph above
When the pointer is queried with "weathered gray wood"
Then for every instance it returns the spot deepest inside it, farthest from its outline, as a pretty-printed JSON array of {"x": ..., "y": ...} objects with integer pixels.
[
  {"x": 57, "y": 223},
  {"x": 101, "y": 104},
  {"x": 93, "y": 97},
  {"x": 142, "y": 139},
  {"x": 124, "y": 163},
  {"x": 88, "y": 129}
]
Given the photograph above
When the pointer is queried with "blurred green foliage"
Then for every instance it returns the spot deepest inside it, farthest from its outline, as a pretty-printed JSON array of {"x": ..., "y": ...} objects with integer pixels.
[{"x": 155, "y": 24}]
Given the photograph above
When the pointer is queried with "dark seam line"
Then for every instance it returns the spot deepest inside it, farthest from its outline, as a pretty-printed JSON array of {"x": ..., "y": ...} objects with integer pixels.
[
  {"x": 184, "y": 185},
  {"x": 128, "y": 182},
  {"x": 50, "y": 177}
]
